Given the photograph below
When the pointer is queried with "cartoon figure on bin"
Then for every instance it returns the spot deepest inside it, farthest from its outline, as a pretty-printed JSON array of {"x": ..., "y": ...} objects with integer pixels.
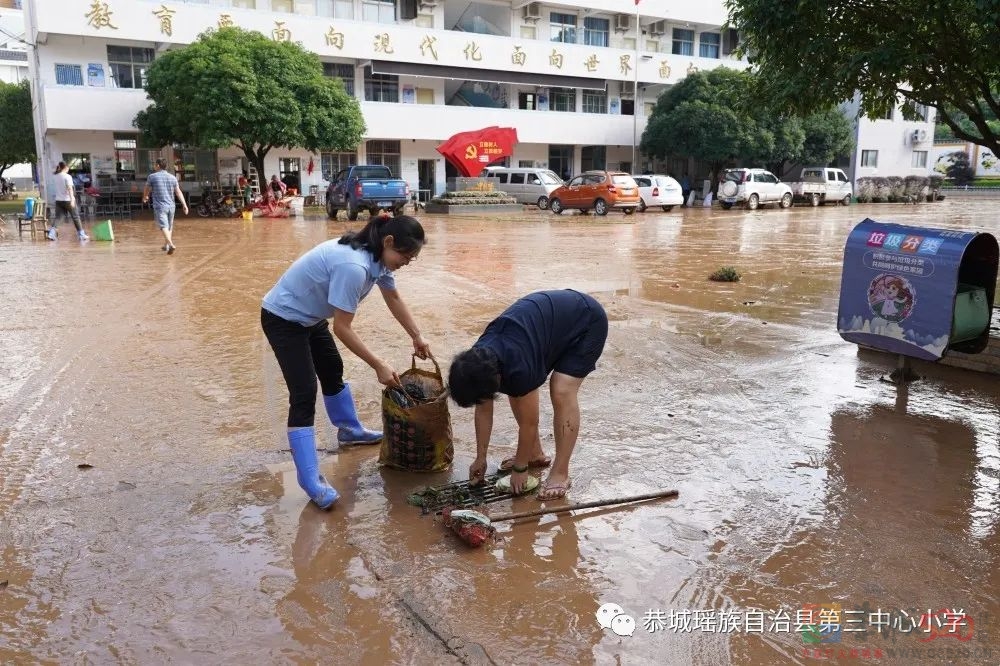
[{"x": 891, "y": 297}]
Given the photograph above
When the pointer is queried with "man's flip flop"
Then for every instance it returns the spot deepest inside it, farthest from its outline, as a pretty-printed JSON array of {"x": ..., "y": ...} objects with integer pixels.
[
  {"x": 507, "y": 464},
  {"x": 553, "y": 491}
]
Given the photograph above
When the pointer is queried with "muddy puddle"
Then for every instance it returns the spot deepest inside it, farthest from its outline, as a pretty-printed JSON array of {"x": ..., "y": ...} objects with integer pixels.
[{"x": 150, "y": 512}]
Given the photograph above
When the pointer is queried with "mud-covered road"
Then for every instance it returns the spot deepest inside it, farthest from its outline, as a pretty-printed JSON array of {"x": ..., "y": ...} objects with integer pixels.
[{"x": 150, "y": 512}]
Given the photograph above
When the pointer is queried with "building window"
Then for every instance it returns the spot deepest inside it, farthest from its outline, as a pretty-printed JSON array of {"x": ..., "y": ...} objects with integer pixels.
[
  {"x": 342, "y": 9},
  {"x": 345, "y": 73},
  {"x": 126, "y": 153},
  {"x": 526, "y": 101},
  {"x": 385, "y": 153},
  {"x": 595, "y": 31},
  {"x": 887, "y": 115},
  {"x": 921, "y": 111},
  {"x": 331, "y": 163},
  {"x": 306, "y": 7},
  {"x": 69, "y": 75},
  {"x": 378, "y": 11},
  {"x": 381, "y": 87},
  {"x": 595, "y": 101},
  {"x": 919, "y": 159},
  {"x": 869, "y": 158},
  {"x": 683, "y": 42},
  {"x": 708, "y": 46},
  {"x": 562, "y": 28},
  {"x": 128, "y": 66},
  {"x": 78, "y": 163},
  {"x": 195, "y": 165},
  {"x": 562, "y": 99}
]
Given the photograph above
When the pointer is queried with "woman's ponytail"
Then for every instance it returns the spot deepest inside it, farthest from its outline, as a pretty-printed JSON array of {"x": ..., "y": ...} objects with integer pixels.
[{"x": 407, "y": 235}]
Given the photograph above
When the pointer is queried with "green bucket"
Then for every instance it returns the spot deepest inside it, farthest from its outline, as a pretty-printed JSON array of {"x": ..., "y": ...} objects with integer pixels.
[
  {"x": 972, "y": 313},
  {"x": 103, "y": 231}
]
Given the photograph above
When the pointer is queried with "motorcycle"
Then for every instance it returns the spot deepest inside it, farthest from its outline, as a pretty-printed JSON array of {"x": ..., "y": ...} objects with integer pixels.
[{"x": 217, "y": 204}]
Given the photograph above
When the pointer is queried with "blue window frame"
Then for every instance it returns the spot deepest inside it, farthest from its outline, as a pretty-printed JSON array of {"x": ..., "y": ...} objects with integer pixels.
[
  {"x": 683, "y": 43},
  {"x": 708, "y": 44},
  {"x": 595, "y": 31},
  {"x": 69, "y": 75}
]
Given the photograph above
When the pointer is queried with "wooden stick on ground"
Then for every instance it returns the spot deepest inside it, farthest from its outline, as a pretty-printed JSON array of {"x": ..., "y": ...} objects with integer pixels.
[{"x": 583, "y": 505}]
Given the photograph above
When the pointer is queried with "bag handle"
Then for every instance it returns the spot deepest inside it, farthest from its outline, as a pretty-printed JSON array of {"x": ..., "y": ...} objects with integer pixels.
[{"x": 413, "y": 363}]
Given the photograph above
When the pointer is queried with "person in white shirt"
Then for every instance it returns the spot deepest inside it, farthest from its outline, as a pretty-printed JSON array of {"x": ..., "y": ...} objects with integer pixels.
[{"x": 66, "y": 203}]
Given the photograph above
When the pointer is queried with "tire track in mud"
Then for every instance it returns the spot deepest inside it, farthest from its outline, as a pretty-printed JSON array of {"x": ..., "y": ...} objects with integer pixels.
[{"x": 63, "y": 373}]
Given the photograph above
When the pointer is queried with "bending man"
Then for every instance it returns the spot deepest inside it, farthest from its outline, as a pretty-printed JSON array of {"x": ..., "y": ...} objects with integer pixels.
[{"x": 560, "y": 332}]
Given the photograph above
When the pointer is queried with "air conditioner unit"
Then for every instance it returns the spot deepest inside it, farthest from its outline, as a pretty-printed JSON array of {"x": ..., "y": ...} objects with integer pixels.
[
  {"x": 428, "y": 4},
  {"x": 622, "y": 22},
  {"x": 658, "y": 28},
  {"x": 628, "y": 89},
  {"x": 919, "y": 136},
  {"x": 533, "y": 11}
]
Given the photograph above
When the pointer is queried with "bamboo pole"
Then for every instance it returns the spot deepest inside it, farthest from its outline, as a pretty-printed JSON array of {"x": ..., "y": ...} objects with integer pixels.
[{"x": 583, "y": 505}]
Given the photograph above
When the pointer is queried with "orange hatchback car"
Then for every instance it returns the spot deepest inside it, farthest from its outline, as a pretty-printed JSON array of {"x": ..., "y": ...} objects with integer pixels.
[{"x": 600, "y": 190}]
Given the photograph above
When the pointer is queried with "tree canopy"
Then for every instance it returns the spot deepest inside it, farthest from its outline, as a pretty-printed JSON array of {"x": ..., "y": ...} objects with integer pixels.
[
  {"x": 939, "y": 54},
  {"x": 710, "y": 116},
  {"x": 234, "y": 87},
  {"x": 17, "y": 130}
]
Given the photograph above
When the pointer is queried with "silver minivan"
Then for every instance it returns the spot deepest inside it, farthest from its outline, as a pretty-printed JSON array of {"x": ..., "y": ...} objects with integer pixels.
[{"x": 527, "y": 185}]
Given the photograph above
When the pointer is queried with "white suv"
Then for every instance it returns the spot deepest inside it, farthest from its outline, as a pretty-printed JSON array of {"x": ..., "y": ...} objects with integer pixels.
[{"x": 753, "y": 187}]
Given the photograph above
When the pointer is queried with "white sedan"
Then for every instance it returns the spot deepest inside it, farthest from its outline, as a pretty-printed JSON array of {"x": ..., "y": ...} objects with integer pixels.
[{"x": 662, "y": 191}]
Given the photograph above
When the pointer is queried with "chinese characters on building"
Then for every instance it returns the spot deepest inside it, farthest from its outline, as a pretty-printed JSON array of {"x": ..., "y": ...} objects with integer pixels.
[
  {"x": 99, "y": 16},
  {"x": 166, "y": 19},
  {"x": 334, "y": 38}
]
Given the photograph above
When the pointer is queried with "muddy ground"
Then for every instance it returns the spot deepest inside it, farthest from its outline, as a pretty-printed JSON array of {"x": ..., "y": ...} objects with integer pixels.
[{"x": 150, "y": 512}]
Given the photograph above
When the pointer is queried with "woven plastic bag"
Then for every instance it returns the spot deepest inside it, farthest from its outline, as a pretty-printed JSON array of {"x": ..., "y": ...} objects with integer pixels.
[{"x": 417, "y": 437}]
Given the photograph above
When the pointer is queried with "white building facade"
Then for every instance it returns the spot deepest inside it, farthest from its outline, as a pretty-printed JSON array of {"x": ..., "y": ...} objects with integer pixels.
[
  {"x": 892, "y": 145},
  {"x": 563, "y": 73}
]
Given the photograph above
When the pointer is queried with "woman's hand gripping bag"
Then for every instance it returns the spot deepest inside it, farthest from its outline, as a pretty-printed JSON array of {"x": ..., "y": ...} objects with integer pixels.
[{"x": 416, "y": 425}]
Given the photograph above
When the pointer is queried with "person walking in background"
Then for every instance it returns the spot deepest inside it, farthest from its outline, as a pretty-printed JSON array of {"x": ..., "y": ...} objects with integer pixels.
[
  {"x": 162, "y": 187},
  {"x": 66, "y": 203},
  {"x": 561, "y": 332},
  {"x": 329, "y": 282}
]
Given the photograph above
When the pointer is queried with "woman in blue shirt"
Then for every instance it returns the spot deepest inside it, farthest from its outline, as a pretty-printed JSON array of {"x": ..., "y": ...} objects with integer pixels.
[{"x": 330, "y": 281}]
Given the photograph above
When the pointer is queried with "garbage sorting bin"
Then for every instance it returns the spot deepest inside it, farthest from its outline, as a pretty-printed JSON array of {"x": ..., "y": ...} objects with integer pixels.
[
  {"x": 29, "y": 208},
  {"x": 917, "y": 291}
]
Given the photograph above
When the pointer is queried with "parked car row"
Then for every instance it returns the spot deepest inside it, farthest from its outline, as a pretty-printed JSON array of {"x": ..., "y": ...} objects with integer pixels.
[
  {"x": 602, "y": 191},
  {"x": 755, "y": 187},
  {"x": 596, "y": 190}
]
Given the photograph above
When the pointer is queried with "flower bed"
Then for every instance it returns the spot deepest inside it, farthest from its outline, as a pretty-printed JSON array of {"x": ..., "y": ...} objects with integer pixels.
[
  {"x": 894, "y": 189},
  {"x": 473, "y": 202}
]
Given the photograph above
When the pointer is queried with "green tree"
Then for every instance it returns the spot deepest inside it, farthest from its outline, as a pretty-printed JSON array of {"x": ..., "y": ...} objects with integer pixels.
[
  {"x": 700, "y": 117},
  {"x": 234, "y": 87},
  {"x": 812, "y": 55},
  {"x": 960, "y": 169},
  {"x": 829, "y": 135},
  {"x": 17, "y": 130}
]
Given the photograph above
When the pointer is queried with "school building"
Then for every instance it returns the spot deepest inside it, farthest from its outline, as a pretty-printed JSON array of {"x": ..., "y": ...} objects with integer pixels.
[{"x": 576, "y": 78}]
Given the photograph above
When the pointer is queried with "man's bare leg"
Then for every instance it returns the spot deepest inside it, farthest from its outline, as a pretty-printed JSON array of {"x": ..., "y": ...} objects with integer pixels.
[{"x": 565, "y": 427}]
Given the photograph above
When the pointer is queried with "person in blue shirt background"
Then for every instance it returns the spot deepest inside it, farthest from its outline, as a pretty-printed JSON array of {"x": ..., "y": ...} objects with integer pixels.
[
  {"x": 560, "y": 332},
  {"x": 330, "y": 281}
]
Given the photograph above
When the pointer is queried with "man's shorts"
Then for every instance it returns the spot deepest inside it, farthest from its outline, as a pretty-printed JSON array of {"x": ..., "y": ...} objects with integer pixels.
[
  {"x": 164, "y": 217},
  {"x": 581, "y": 358}
]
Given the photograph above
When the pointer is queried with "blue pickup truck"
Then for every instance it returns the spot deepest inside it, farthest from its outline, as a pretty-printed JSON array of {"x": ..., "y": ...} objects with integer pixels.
[{"x": 370, "y": 187}]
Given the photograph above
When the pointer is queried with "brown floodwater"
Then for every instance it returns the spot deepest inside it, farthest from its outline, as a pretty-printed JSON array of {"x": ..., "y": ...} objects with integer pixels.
[{"x": 150, "y": 511}]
